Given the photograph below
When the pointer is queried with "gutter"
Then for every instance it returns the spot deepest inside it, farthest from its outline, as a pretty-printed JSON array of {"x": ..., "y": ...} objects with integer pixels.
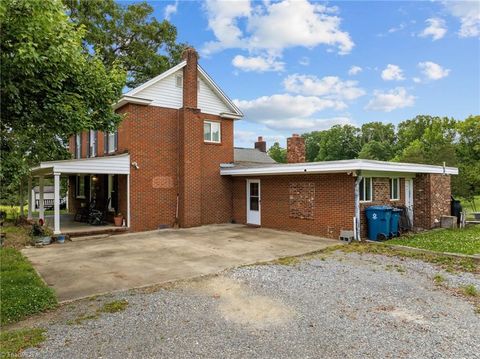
[{"x": 357, "y": 208}]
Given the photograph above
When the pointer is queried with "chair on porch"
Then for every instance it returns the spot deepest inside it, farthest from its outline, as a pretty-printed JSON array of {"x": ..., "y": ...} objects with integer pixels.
[
  {"x": 83, "y": 213},
  {"x": 97, "y": 217}
]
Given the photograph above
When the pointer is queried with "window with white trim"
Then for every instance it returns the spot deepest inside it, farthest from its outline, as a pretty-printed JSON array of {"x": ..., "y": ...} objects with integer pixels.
[
  {"x": 110, "y": 140},
  {"x": 78, "y": 145},
  {"x": 366, "y": 189},
  {"x": 80, "y": 186},
  {"x": 394, "y": 189},
  {"x": 92, "y": 143},
  {"x": 211, "y": 131}
]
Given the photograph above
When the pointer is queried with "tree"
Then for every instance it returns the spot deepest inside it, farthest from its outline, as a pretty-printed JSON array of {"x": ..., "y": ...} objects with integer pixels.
[
  {"x": 312, "y": 144},
  {"x": 50, "y": 87},
  {"x": 278, "y": 153},
  {"x": 376, "y": 150},
  {"x": 339, "y": 143},
  {"x": 128, "y": 35}
]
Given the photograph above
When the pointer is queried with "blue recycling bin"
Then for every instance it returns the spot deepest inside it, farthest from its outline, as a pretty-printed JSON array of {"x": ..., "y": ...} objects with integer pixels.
[
  {"x": 395, "y": 222},
  {"x": 378, "y": 220}
]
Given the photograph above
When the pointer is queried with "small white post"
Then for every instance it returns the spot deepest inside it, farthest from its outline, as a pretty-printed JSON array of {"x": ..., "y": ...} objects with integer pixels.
[
  {"x": 128, "y": 201},
  {"x": 41, "y": 206},
  {"x": 29, "y": 215},
  {"x": 56, "y": 202}
]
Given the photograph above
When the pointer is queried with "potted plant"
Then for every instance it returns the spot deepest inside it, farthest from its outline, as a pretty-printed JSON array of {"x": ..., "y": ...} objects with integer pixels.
[
  {"x": 41, "y": 234},
  {"x": 118, "y": 219}
]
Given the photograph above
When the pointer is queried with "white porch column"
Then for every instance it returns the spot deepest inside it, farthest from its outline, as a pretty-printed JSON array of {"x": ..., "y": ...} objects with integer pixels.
[
  {"x": 41, "y": 208},
  {"x": 56, "y": 202},
  {"x": 128, "y": 201},
  {"x": 29, "y": 215},
  {"x": 22, "y": 199}
]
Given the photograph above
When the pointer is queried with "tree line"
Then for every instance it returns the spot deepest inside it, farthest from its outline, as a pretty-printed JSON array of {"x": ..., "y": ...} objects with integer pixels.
[{"x": 423, "y": 139}]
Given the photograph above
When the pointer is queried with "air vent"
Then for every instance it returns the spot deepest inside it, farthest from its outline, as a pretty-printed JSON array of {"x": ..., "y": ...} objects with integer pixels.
[{"x": 179, "y": 81}]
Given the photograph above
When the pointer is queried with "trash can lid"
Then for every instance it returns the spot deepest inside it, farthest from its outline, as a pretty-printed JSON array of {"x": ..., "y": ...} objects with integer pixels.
[
  {"x": 378, "y": 208},
  {"x": 397, "y": 210}
]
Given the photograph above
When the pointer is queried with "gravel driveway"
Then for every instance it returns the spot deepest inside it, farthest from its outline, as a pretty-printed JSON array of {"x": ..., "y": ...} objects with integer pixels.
[{"x": 341, "y": 306}]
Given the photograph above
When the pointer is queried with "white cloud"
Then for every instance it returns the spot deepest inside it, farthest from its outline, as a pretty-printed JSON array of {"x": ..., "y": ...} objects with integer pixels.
[
  {"x": 170, "y": 10},
  {"x": 396, "y": 29},
  {"x": 328, "y": 87},
  {"x": 433, "y": 71},
  {"x": 268, "y": 28},
  {"x": 417, "y": 80},
  {"x": 436, "y": 28},
  {"x": 354, "y": 70},
  {"x": 306, "y": 124},
  {"x": 390, "y": 100},
  {"x": 392, "y": 72},
  {"x": 257, "y": 63},
  {"x": 469, "y": 14}
]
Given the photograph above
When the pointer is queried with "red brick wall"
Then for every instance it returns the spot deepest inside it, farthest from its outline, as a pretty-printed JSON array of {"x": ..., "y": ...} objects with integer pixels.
[
  {"x": 333, "y": 210},
  {"x": 431, "y": 199}
]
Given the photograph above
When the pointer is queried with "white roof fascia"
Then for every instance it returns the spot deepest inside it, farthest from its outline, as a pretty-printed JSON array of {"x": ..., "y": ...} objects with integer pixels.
[
  {"x": 338, "y": 167},
  {"x": 156, "y": 79},
  {"x": 130, "y": 99},
  {"x": 118, "y": 164},
  {"x": 219, "y": 92}
]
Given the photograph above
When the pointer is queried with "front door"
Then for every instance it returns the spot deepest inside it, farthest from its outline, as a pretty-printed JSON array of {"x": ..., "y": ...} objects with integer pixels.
[
  {"x": 409, "y": 198},
  {"x": 253, "y": 201}
]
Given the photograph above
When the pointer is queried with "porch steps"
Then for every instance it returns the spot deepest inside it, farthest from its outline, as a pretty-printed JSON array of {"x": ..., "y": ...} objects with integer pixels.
[{"x": 94, "y": 234}]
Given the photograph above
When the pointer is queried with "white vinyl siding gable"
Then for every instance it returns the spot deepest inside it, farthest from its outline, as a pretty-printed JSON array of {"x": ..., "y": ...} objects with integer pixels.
[
  {"x": 209, "y": 102},
  {"x": 164, "y": 93},
  {"x": 167, "y": 93}
]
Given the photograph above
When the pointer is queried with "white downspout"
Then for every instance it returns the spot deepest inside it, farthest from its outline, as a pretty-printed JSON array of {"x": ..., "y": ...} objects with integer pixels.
[
  {"x": 29, "y": 216},
  {"x": 41, "y": 203},
  {"x": 357, "y": 207},
  {"x": 56, "y": 202},
  {"x": 128, "y": 200}
]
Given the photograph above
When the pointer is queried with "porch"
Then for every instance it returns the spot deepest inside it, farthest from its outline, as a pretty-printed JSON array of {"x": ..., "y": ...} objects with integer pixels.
[{"x": 99, "y": 184}]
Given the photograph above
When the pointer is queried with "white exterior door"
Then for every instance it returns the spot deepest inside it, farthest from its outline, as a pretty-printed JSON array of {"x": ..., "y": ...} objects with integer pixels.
[
  {"x": 253, "y": 201},
  {"x": 409, "y": 198}
]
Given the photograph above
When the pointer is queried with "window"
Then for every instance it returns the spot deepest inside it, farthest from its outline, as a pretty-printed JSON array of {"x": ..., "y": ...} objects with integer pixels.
[
  {"x": 110, "y": 141},
  {"x": 394, "y": 189},
  {"x": 366, "y": 189},
  {"x": 80, "y": 187},
  {"x": 78, "y": 145},
  {"x": 92, "y": 143},
  {"x": 211, "y": 131},
  {"x": 178, "y": 80}
]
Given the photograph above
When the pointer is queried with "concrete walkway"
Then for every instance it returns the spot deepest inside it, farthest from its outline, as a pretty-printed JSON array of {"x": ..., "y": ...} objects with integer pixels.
[{"x": 85, "y": 268}]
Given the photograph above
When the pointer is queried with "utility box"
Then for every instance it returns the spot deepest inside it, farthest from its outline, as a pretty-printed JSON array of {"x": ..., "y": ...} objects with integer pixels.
[{"x": 448, "y": 222}]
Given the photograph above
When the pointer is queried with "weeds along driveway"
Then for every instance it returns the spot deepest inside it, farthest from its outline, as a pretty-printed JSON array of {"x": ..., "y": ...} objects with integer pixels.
[{"x": 84, "y": 268}]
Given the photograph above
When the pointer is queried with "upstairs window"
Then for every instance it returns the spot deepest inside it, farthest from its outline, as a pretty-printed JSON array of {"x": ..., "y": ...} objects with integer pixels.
[
  {"x": 92, "y": 143},
  {"x": 110, "y": 140},
  {"x": 211, "y": 131},
  {"x": 394, "y": 189},
  {"x": 366, "y": 189},
  {"x": 78, "y": 145}
]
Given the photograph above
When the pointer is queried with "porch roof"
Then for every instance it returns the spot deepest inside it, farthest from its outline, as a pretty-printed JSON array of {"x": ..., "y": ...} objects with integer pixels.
[
  {"x": 237, "y": 169},
  {"x": 118, "y": 164}
]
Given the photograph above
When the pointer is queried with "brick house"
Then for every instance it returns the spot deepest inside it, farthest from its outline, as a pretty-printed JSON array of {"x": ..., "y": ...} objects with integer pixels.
[{"x": 172, "y": 162}]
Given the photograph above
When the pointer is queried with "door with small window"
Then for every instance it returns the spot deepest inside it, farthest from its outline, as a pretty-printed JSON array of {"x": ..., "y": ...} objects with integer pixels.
[{"x": 253, "y": 202}]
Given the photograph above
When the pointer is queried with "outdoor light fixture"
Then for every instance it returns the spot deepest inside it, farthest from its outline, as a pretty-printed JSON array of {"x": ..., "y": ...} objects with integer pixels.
[{"x": 135, "y": 165}]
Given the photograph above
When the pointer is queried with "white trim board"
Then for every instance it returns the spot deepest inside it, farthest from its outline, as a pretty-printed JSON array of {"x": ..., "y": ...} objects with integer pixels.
[{"x": 392, "y": 168}]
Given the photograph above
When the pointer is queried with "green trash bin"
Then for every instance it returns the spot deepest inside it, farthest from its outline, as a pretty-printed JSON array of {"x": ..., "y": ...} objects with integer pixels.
[{"x": 378, "y": 221}]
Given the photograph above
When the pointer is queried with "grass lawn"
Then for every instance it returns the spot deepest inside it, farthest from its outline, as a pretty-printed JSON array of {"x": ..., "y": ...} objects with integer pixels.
[
  {"x": 463, "y": 241},
  {"x": 22, "y": 293},
  {"x": 13, "y": 342},
  {"x": 14, "y": 211}
]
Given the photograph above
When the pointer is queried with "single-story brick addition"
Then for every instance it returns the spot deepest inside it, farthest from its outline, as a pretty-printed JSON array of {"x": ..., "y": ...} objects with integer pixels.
[{"x": 172, "y": 162}]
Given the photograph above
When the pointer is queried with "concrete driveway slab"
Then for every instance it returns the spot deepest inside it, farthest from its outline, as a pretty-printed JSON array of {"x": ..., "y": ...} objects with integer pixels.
[{"x": 85, "y": 268}]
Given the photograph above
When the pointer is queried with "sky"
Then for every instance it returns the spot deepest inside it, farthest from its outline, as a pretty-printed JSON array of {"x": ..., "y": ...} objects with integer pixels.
[{"x": 299, "y": 66}]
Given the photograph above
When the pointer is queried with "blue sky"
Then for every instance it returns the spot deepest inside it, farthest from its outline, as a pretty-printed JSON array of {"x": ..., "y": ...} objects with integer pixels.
[{"x": 298, "y": 66}]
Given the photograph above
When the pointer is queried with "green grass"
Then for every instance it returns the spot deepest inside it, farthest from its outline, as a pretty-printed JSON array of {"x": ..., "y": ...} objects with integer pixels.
[
  {"x": 468, "y": 206},
  {"x": 113, "y": 307},
  {"x": 463, "y": 241},
  {"x": 22, "y": 291},
  {"x": 439, "y": 279},
  {"x": 470, "y": 290},
  {"x": 14, "y": 211},
  {"x": 13, "y": 342}
]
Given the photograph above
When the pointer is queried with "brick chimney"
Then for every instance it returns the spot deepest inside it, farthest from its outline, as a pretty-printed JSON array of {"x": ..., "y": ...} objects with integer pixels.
[
  {"x": 261, "y": 145},
  {"x": 190, "y": 83},
  {"x": 295, "y": 149}
]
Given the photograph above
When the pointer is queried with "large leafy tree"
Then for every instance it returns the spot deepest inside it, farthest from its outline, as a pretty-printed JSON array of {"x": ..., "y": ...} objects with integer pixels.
[
  {"x": 339, "y": 143},
  {"x": 144, "y": 46},
  {"x": 50, "y": 87},
  {"x": 278, "y": 153}
]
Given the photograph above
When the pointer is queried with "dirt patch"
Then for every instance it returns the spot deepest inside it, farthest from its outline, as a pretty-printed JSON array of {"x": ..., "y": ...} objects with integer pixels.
[
  {"x": 403, "y": 315},
  {"x": 238, "y": 304}
]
